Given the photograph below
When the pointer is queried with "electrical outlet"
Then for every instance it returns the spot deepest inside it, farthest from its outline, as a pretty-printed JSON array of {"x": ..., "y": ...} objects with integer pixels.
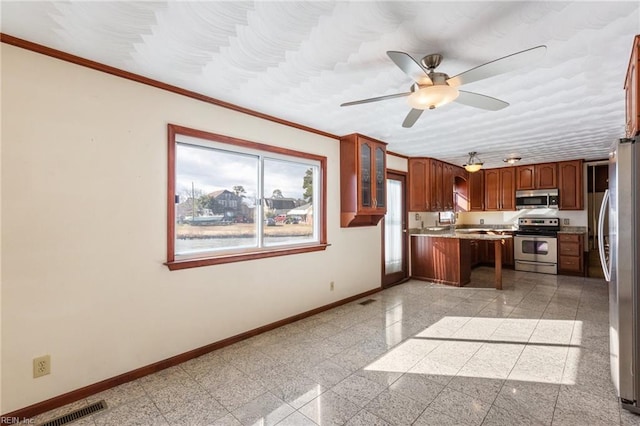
[
  {"x": 331, "y": 286},
  {"x": 41, "y": 366},
  {"x": 565, "y": 221},
  {"x": 481, "y": 221}
]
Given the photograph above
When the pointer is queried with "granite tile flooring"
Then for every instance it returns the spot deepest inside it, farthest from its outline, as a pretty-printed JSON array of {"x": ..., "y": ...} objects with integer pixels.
[{"x": 535, "y": 353}]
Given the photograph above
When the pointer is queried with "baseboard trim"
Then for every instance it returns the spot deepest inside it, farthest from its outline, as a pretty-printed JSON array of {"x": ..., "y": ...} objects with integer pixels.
[{"x": 75, "y": 395}]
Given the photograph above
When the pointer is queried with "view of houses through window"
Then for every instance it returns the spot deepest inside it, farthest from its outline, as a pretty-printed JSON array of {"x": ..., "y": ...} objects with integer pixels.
[{"x": 232, "y": 199}]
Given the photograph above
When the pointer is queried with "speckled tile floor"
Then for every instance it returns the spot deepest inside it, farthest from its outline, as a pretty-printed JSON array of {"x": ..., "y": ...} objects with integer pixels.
[{"x": 535, "y": 353}]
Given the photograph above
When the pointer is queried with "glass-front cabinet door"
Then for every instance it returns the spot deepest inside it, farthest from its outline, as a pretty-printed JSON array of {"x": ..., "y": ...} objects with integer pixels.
[
  {"x": 366, "y": 166},
  {"x": 372, "y": 179},
  {"x": 381, "y": 187}
]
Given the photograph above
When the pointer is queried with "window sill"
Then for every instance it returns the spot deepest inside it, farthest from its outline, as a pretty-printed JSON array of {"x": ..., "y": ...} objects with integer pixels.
[{"x": 219, "y": 260}]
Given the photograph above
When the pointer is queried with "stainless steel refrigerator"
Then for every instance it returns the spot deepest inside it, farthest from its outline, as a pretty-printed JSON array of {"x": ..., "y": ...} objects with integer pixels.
[{"x": 620, "y": 256}]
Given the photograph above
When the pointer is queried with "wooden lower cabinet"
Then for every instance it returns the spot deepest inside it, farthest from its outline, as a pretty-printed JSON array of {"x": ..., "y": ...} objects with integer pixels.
[
  {"x": 450, "y": 260},
  {"x": 474, "y": 253},
  {"x": 441, "y": 260},
  {"x": 571, "y": 254},
  {"x": 485, "y": 253}
]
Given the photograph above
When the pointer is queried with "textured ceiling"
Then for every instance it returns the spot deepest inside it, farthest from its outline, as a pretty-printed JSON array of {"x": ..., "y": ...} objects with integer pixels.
[{"x": 300, "y": 60}]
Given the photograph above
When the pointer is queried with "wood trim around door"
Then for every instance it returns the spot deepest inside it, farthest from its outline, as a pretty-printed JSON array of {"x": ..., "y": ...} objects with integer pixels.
[{"x": 398, "y": 277}]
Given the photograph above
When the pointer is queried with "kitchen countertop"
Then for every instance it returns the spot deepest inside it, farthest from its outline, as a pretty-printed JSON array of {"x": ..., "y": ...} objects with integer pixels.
[
  {"x": 464, "y": 235},
  {"x": 573, "y": 230},
  {"x": 478, "y": 231}
]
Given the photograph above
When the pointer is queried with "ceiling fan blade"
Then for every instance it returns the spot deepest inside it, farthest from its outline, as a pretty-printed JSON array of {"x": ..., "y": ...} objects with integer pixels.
[
  {"x": 499, "y": 66},
  {"x": 410, "y": 67},
  {"x": 477, "y": 100},
  {"x": 412, "y": 117},
  {"x": 379, "y": 98}
]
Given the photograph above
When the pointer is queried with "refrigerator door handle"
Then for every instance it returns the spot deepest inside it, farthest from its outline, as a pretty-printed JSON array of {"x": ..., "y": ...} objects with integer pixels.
[{"x": 606, "y": 267}]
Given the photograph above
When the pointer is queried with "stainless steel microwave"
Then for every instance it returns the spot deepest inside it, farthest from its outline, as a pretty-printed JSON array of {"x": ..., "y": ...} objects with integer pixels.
[{"x": 540, "y": 198}]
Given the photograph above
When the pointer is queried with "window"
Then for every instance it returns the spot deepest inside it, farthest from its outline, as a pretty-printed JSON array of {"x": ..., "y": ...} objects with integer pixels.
[{"x": 232, "y": 200}]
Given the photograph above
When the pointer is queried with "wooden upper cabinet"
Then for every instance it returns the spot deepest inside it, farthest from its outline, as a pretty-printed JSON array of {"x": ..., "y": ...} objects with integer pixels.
[
  {"x": 525, "y": 177},
  {"x": 632, "y": 91},
  {"x": 362, "y": 180},
  {"x": 431, "y": 185},
  {"x": 546, "y": 176},
  {"x": 475, "y": 184},
  {"x": 508, "y": 194},
  {"x": 447, "y": 186},
  {"x": 435, "y": 183},
  {"x": 460, "y": 189},
  {"x": 492, "y": 189},
  {"x": 570, "y": 186},
  {"x": 460, "y": 172},
  {"x": 536, "y": 176},
  {"x": 419, "y": 194},
  {"x": 500, "y": 191}
]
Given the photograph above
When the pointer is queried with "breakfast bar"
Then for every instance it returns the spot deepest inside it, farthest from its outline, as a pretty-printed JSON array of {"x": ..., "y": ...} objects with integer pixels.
[{"x": 445, "y": 257}]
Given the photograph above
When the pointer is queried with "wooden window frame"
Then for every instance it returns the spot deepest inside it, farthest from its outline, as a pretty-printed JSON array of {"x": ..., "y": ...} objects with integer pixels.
[{"x": 208, "y": 259}]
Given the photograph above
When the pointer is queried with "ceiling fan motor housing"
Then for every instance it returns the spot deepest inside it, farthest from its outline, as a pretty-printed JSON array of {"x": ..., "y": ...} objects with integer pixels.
[{"x": 432, "y": 61}]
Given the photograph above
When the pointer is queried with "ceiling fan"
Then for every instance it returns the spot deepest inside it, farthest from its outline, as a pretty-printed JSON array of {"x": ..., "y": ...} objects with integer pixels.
[{"x": 433, "y": 89}]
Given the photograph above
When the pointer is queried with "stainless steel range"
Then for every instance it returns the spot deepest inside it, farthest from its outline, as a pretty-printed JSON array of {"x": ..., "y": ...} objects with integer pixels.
[{"x": 535, "y": 244}]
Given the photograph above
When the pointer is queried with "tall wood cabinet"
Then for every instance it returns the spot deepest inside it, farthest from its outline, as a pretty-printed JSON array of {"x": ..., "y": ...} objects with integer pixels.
[
  {"x": 435, "y": 180},
  {"x": 448, "y": 176},
  {"x": 418, "y": 182},
  {"x": 632, "y": 91},
  {"x": 536, "y": 176},
  {"x": 475, "y": 183},
  {"x": 570, "y": 185},
  {"x": 500, "y": 191},
  {"x": 362, "y": 180}
]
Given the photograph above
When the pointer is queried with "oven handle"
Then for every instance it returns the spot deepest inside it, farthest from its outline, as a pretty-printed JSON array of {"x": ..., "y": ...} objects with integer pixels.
[
  {"x": 535, "y": 237},
  {"x": 528, "y": 262}
]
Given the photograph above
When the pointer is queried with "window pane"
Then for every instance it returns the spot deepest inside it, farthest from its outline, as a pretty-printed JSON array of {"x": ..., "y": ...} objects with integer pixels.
[
  {"x": 289, "y": 203},
  {"x": 216, "y": 205},
  {"x": 393, "y": 228}
]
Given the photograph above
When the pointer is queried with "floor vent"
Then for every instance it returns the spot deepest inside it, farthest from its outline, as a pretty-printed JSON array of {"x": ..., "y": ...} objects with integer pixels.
[
  {"x": 366, "y": 302},
  {"x": 78, "y": 414}
]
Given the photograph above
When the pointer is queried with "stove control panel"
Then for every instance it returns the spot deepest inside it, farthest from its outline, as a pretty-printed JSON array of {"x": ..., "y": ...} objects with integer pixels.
[{"x": 539, "y": 222}]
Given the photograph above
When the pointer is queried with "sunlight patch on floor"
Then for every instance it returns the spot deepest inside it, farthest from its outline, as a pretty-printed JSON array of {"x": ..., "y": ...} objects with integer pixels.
[{"x": 492, "y": 348}]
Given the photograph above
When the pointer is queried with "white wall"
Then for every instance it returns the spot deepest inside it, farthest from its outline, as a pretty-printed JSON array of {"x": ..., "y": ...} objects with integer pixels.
[
  {"x": 576, "y": 217},
  {"x": 399, "y": 164},
  {"x": 84, "y": 177}
]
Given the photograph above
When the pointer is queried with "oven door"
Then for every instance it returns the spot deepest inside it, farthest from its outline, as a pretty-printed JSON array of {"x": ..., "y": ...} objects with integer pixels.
[{"x": 536, "y": 248}]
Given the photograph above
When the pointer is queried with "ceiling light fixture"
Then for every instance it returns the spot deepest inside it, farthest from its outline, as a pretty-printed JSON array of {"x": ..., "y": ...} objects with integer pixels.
[
  {"x": 473, "y": 164},
  {"x": 512, "y": 160},
  {"x": 430, "y": 97}
]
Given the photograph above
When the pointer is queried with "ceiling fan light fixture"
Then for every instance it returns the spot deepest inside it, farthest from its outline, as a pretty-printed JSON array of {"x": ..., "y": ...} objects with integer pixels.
[
  {"x": 512, "y": 160},
  {"x": 473, "y": 164},
  {"x": 430, "y": 97}
]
